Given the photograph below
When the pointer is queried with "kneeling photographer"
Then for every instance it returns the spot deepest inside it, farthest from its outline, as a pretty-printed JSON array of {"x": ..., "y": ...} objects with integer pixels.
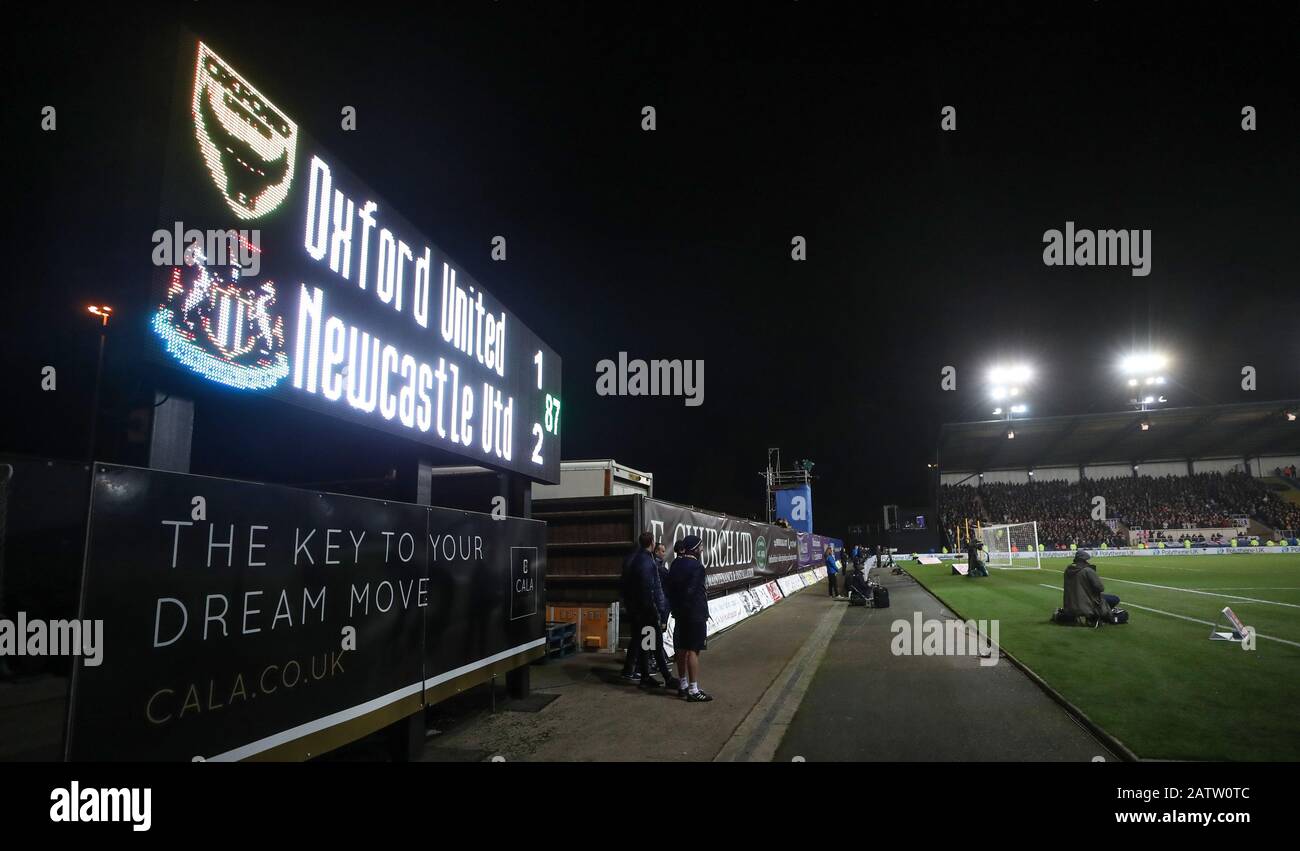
[{"x": 1084, "y": 591}]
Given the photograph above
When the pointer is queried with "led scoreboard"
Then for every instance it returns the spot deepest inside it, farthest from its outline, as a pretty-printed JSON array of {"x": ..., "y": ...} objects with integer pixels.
[{"x": 288, "y": 277}]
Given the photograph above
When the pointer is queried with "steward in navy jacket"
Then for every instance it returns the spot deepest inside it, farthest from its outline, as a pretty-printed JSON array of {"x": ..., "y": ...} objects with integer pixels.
[
  {"x": 647, "y": 590},
  {"x": 686, "y": 589}
]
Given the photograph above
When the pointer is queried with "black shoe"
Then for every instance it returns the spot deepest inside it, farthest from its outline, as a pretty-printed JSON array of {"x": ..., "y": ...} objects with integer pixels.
[
  {"x": 697, "y": 697},
  {"x": 651, "y": 683},
  {"x": 682, "y": 692},
  {"x": 631, "y": 678}
]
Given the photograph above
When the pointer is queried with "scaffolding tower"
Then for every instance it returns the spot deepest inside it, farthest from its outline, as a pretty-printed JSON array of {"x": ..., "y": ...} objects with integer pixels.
[{"x": 779, "y": 479}]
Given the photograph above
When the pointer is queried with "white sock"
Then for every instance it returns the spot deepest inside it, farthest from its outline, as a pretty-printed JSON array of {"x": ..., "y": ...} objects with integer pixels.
[
  {"x": 695, "y": 688},
  {"x": 684, "y": 682}
]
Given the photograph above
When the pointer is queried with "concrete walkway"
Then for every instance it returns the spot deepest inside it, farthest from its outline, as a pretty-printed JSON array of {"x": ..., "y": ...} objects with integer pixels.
[
  {"x": 866, "y": 704},
  {"x": 809, "y": 678},
  {"x": 600, "y": 717}
]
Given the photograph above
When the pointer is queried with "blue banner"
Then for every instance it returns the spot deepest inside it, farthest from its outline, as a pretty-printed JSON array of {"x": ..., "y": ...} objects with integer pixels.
[{"x": 795, "y": 505}]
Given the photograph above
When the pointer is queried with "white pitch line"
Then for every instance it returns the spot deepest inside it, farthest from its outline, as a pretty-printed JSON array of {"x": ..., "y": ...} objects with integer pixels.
[
  {"x": 1132, "y": 605},
  {"x": 1193, "y": 591},
  {"x": 1250, "y": 588}
]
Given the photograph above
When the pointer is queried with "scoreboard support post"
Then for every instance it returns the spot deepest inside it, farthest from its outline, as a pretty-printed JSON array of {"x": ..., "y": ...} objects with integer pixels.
[
  {"x": 405, "y": 738},
  {"x": 171, "y": 433},
  {"x": 518, "y": 492},
  {"x": 423, "y": 483}
]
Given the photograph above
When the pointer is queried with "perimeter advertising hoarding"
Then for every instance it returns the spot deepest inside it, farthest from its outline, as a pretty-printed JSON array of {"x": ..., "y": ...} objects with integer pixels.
[
  {"x": 282, "y": 274},
  {"x": 812, "y": 549},
  {"x": 734, "y": 550},
  {"x": 228, "y": 610}
]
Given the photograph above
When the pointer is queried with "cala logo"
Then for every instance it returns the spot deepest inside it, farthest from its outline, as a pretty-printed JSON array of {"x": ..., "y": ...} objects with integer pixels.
[
  {"x": 247, "y": 143},
  {"x": 760, "y": 554}
]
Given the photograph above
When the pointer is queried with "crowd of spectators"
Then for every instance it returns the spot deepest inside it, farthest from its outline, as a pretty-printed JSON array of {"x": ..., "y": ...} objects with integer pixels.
[
  {"x": 1063, "y": 511},
  {"x": 1161, "y": 504},
  {"x": 1200, "y": 500},
  {"x": 1084, "y": 533},
  {"x": 957, "y": 504},
  {"x": 1282, "y": 515}
]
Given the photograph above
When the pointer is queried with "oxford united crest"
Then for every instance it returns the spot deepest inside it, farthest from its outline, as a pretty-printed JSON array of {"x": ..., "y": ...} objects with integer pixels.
[{"x": 247, "y": 143}]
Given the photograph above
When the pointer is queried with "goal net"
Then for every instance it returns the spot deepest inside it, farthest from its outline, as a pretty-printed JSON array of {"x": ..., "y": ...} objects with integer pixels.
[{"x": 1011, "y": 546}]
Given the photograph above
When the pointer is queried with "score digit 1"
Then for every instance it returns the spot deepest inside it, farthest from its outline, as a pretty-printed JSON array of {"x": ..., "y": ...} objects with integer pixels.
[{"x": 550, "y": 414}]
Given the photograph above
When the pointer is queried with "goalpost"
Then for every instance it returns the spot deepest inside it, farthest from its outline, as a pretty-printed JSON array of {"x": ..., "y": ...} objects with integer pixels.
[{"x": 1011, "y": 546}]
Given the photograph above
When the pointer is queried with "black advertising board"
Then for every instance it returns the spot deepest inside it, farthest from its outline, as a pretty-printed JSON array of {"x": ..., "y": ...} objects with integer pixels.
[
  {"x": 734, "y": 550},
  {"x": 227, "y": 609},
  {"x": 280, "y": 273}
]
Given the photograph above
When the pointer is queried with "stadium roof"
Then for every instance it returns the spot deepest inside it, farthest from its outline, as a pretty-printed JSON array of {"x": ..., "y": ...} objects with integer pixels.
[{"x": 1218, "y": 431}]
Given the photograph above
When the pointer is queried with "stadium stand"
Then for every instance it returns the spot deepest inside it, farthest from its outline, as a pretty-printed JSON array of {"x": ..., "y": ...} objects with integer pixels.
[{"x": 1212, "y": 485}]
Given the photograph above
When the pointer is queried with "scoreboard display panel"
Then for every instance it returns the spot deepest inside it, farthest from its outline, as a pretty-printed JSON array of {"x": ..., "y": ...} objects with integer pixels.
[{"x": 281, "y": 273}]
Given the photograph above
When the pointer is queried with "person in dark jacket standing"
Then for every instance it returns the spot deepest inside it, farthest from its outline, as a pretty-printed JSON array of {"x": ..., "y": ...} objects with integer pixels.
[
  {"x": 687, "y": 592},
  {"x": 651, "y": 616},
  {"x": 662, "y": 564},
  {"x": 1084, "y": 590},
  {"x": 630, "y": 594}
]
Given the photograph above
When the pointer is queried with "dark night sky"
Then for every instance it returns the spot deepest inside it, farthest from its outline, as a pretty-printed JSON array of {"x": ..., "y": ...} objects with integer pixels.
[{"x": 524, "y": 119}]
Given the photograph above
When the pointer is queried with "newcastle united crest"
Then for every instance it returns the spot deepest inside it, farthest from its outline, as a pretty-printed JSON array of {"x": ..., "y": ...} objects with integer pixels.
[{"x": 220, "y": 329}]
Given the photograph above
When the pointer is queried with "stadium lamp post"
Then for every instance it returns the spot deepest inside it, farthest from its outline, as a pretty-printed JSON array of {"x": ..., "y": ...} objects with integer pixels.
[
  {"x": 1007, "y": 388},
  {"x": 1146, "y": 379},
  {"x": 104, "y": 312}
]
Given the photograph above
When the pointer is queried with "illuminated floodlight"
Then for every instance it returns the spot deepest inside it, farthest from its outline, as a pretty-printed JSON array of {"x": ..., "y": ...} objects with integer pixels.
[
  {"x": 997, "y": 412},
  {"x": 1145, "y": 363},
  {"x": 1148, "y": 400},
  {"x": 1014, "y": 391},
  {"x": 1132, "y": 382},
  {"x": 1010, "y": 374},
  {"x": 1146, "y": 426},
  {"x": 1011, "y": 435},
  {"x": 1019, "y": 409},
  {"x": 1290, "y": 416},
  {"x": 999, "y": 392},
  {"x": 103, "y": 311}
]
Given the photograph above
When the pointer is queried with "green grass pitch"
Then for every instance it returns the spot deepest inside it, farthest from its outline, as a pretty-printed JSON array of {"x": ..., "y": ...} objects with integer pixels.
[{"x": 1157, "y": 683}]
